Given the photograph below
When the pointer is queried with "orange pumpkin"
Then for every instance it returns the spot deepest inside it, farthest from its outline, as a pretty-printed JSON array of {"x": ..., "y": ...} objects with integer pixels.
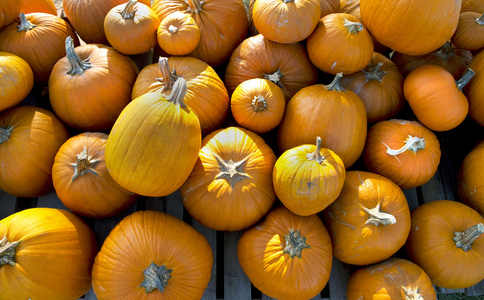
[
  {"x": 230, "y": 187},
  {"x": 446, "y": 241},
  {"x": 39, "y": 134},
  {"x": 16, "y": 80},
  {"x": 474, "y": 91},
  {"x": 46, "y": 253},
  {"x": 9, "y": 11},
  {"x": 436, "y": 99},
  {"x": 90, "y": 86},
  {"x": 470, "y": 178},
  {"x": 287, "y": 256},
  {"x": 178, "y": 34},
  {"x": 39, "y": 39},
  {"x": 403, "y": 151},
  {"x": 369, "y": 221},
  {"x": 333, "y": 33},
  {"x": 45, "y": 6},
  {"x": 469, "y": 34},
  {"x": 152, "y": 255},
  {"x": 472, "y": 5},
  {"x": 394, "y": 278},
  {"x": 308, "y": 178},
  {"x": 258, "y": 104},
  {"x": 338, "y": 116},
  {"x": 82, "y": 181},
  {"x": 380, "y": 86},
  {"x": 206, "y": 94},
  {"x": 411, "y": 27}
]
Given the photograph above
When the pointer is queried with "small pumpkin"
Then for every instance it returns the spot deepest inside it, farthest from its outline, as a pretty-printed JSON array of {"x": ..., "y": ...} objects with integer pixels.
[
  {"x": 178, "y": 34},
  {"x": 469, "y": 34},
  {"x": 472, "y": 5},
  {"x": 258, "y": 104},
  {"x": 287, "y": 256},
  {"x": 473, "y": 90},
  {"x": 447, "y": 242},
  {"x": 16, "y": 80},
  {"x": 469, "y": 178},
  {"x": 46, "y": 253},
  {"x": 403, "y": 151},
  {"x": 152, "y": 255},
  {"x": 308, "y": 178}
]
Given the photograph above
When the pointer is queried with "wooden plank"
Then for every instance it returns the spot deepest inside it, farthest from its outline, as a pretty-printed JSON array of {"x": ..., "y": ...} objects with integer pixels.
[
  {"x": 8, "y": 204},
  {"x": 211, "y": 236},
  {"x": 89, "y": 295},
  {"x": 340, "y": 274},
  {"x": 174, "y": 205},
  {"x": 237, "y": 285},
  {"x": 50, "y": 200},
  {"x": 476, "y": 290},
  {"x": 412, "y": 198}
]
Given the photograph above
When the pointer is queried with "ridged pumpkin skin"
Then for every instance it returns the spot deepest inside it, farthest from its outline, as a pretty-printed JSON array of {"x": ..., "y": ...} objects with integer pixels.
[
  {"x": 28, "y": 173},
  {"x": 472, "y": 5},
  {"x": 53, "y": 258},
  {"x": 143, "y": 243},
  {"x": 308, "y": 178},
  {"x": 470, "y": 178},
  {"x": 474, "y": 91},
  {"x": 447, "y": 242},
  {"x": 287, "y": 256},
  {"x": 82, "y": 181},
  {"x": 9, "y": 11},
  {"x": 178, "y": 34},
  {"x": 230, "y": 187},
  {"x": 394, "y": 278},
  {"x": 369, "y": 221},
  {"x": 469, "y": 34},
  {"x": 16, "y": 80},
  {"x": 154, "y": 143},
  {"x": 45, "y": 6},
  {"x": 403, "y": 151},
  {"x": 410, "y": 26},
  {"x": 338, "y": 116}
]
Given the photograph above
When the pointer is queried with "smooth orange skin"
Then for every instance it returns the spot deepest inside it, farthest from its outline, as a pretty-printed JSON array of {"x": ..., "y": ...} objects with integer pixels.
[
  {"x": 469, "y": 34},
  {"x": 45, "y": 6},
  {"x": 474, "y": 91},
  {"x": 186, "y": 37},
  {"x": 16, "y": 80},
  {"x": 470, "y": 178}
]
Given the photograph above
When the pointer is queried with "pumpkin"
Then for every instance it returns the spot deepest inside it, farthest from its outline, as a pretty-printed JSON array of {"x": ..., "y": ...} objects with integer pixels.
[
  {"x": 222, "y": 27},
  {"x": 39, "y": 134},
  {"x": 287, "y": 65},
  {"x": 9, "y": 11},
  {"x": 230, "y": 187},
  {"x": 436, "y": 99},
  {"x": 82, "y": 181},
  {"x": 403, "y": 151},
  {"x": 287, "y": 21},
  {"x": 47, "y": 253},
  {"x": 453, "y": 59},
  {"x": 206, "y": 94},
  {"x": 369, "y": 221},
  {"x": 87, "y": 17},
  {"x": 258, "y": 104},
  {"x": 473, "y": 90},
  {"x": 336, "y": 32},
  {"x": 469, "y": 34},
  {"x": 39, "y": 39},
  {"x": 178, "y": 34},
  {"x": 446, "y": 241},
  {"x": 380, "y": 86},
  {"x": 337, "y": 115},
  {"x": 308, "y": 178},
  {"x": 472, "y": 5},
  {"x": 152, "y": 255},
  {"x": 287, "y": 256},
  {"x": 44, "y": 6},
  {"x": 410, "y": 26},
  {"x": 394, "y": 278},
  {"x": 469, "y": 178},
  {"x": 90, "y": 86},
  {"x": 16, "y": 80},
  {"x": 131, "y": 27},
  {"x": 154, "y": 144}
]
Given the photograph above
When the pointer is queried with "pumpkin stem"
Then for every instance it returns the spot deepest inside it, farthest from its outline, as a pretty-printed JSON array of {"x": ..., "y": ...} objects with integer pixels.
[
  {"x": 480, "y": 20},
  {"x": 376, "y": 217},
  {"x": 353, "y": 27},
  {"x": 172, "y": 29},
  {"x": 412, "y": 143},
  {"x": 287, "y": 1},
  {"x": 464, "y": 239},
  {"x": 274, "y": 77},
  {"x": 129, "y": 10},
  {"x": 24, "y": 24},
  {"x": 259, "y": 103},
  {"x": 76, "y": 65},
  {"x": 295, "y": 243},
  {"x": 446, "y": 51},
  {"x": 178, "y": 92},
  {"x": 5, "y": 133},
  {"x": 156, "y": 277},
  {"x": 7, "y": 251},
  {"x": 168, "y": 78},
  {"x": 412, "y": 294},
  {"x": 373, "y": 72},
  {"x": 84, "y": 165},
  {"x": 231, "y": 171},
  {"x": 316, "y": 155},
  {"x": 194, "y": 6},
  {"x": 335, "y": 85},
  {"x": 466, "y": 77}
]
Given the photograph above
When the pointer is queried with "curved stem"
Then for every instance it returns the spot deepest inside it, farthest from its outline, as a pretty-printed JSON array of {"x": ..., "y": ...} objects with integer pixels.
[
  {"x": 294, "y": 243},
  {"x": 412, "y": 143},
  {"x": 466, "y": 77},
  {"x": 24, "y": 24},
  {"x": 353, "y": 27},
  {"x": 194, "y": 6},
  {"x": 376, "y": 217},
  {"x": 259, "y": 103},
  {"x": 335, "y": 85},
  {"x": 464, "y": 239},
  {"x": 178, "y": 92},
  {"x": 76, "y": 65},
  {"x": 5, "y": 133},
  {"x": 172, "y": 29},
  {"x": 7, "y": 251},
  {"x": 156, "y": 277},
  {"x": 373, "y": 72},
  {"x": 167, "y": 78},
  {"x": 316, "y": 155},
  {"x": 129, "y": 10},
  {"x": 85, "y": 164},
  {"x": 480, "y": 20}
]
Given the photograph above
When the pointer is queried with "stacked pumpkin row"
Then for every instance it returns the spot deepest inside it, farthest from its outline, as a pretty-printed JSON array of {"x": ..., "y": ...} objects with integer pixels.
[{"x": 160, "y": 129}]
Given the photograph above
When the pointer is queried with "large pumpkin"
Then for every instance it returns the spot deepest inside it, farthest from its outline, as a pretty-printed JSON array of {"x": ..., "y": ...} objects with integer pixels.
[
  {"x": 230, "y": 187},
  {"x": 16, "y": 80},
  {"x": 152, "y": 255},
  {"x": 39, "y": 134},
  {"x": 9, "y": 11},
  {"x": 411, "y": 26},
  {"x": 470, "y": 178},
  {"x": 287, "y": 256},
  {"x": 474, "y": 91},
  {"x": 46, "y": 253},
  {"x": 154, "y": 143},
  {"x": 45, "y": 6}
]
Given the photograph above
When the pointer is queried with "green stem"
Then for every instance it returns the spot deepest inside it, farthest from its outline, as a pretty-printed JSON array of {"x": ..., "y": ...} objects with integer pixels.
[
  {"x": 316, "y": 155},
  {"x": 77, "y": 66},
  {"x": 156, "y": 277},
  {"x": 464, "y": 239},
  {"x": 24, "y": 24},
  {"x": 294, "y": 243},
  {"x": 335, "y": 85},
  {"x": 5, "y": 133},
  {"x": 373, "y": 72},
  {"x": 129, "y": 10},
  {"x": 353, "y": 27},
  {"x": 480, "y": 20},
  {"x": 178, "y": 92},
  {"x": 466, "y": 77}
]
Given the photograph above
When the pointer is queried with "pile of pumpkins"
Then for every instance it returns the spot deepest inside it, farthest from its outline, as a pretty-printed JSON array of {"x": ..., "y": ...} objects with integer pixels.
[{"x": 256, "y": 112}]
